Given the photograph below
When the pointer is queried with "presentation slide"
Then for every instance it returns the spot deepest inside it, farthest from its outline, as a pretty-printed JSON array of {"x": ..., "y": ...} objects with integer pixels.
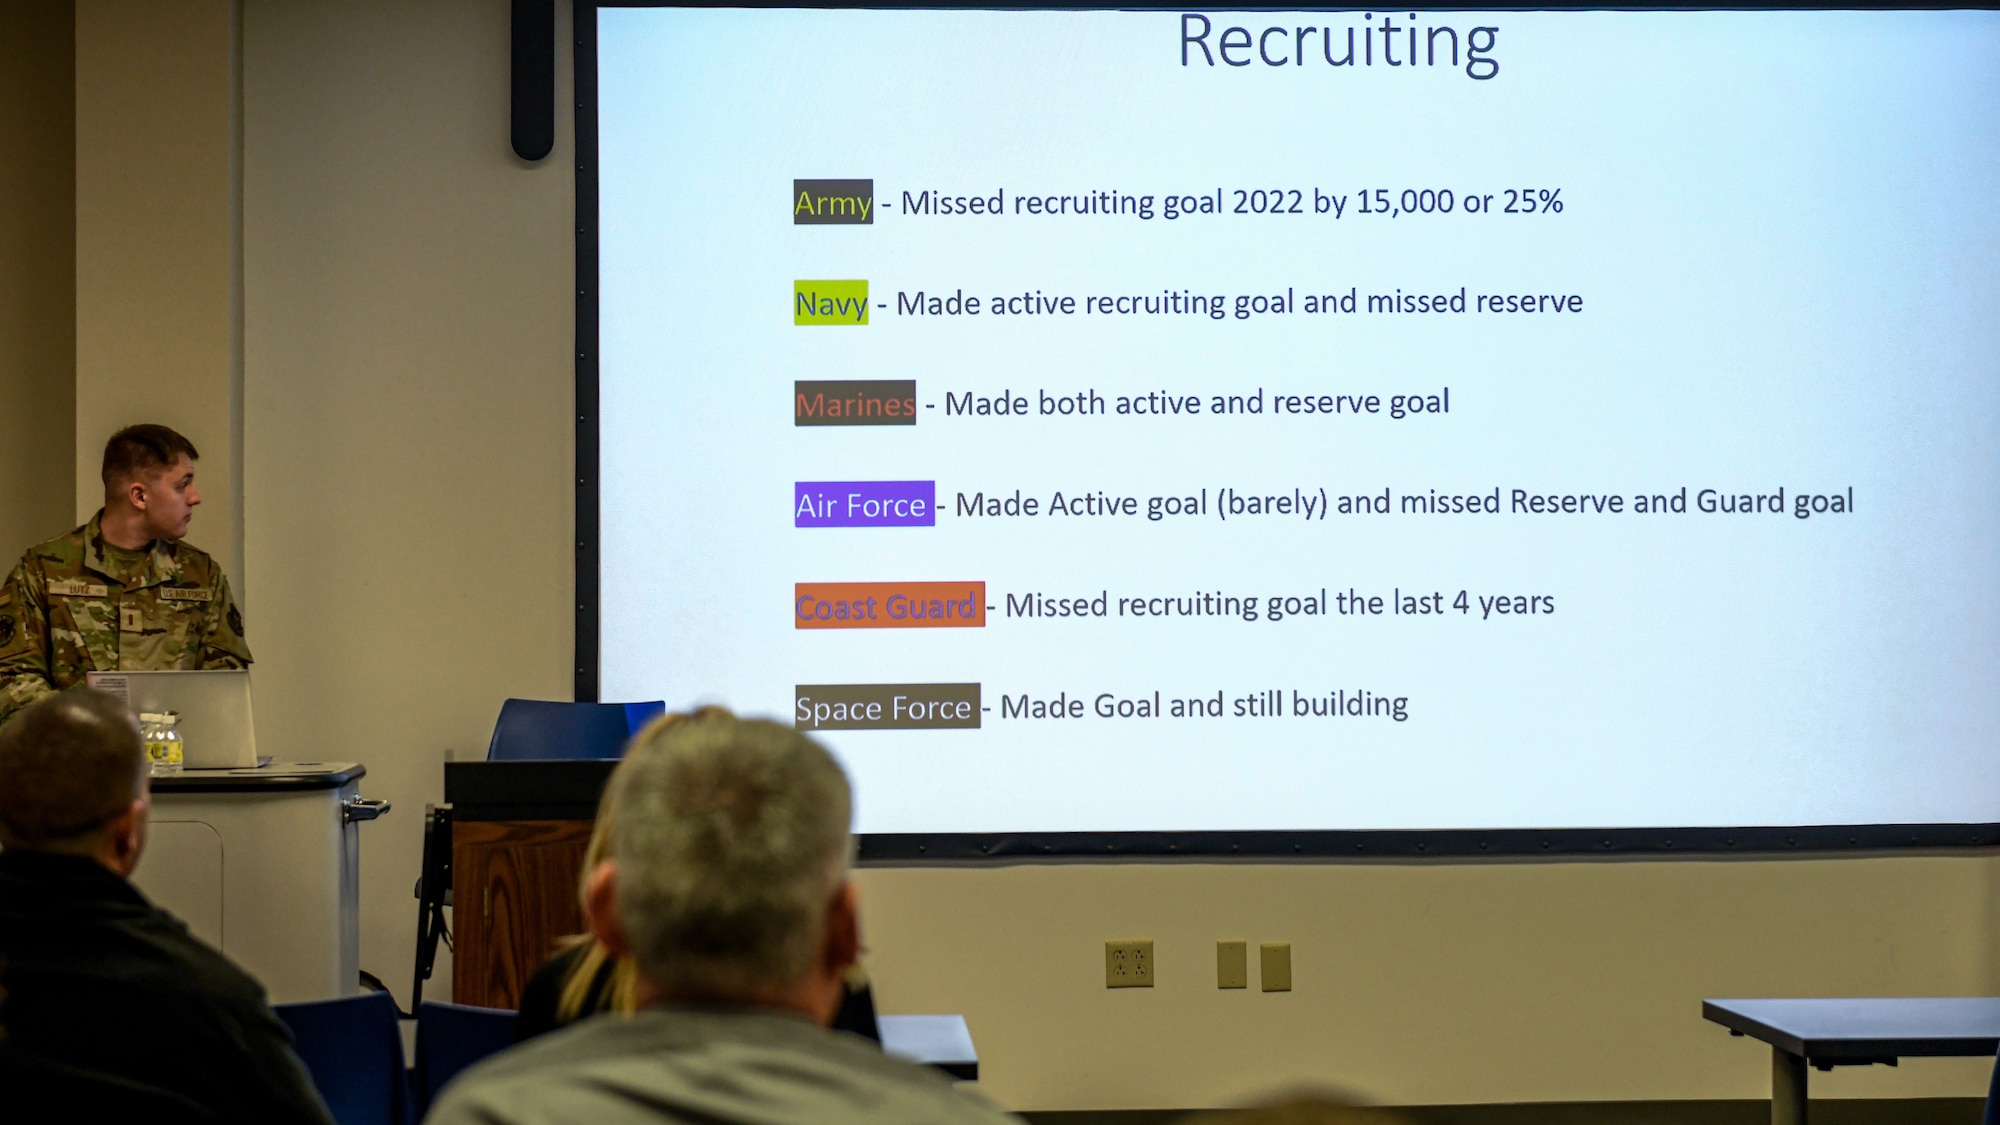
[{"x": 1175, "y": 421}]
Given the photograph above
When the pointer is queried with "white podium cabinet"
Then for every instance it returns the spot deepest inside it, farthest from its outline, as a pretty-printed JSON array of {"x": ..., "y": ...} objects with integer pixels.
[{"x": 265, "y": 864}]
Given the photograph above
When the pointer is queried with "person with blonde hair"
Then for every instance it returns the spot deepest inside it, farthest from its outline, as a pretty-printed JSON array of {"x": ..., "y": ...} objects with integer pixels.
[
  {"x": 584, "y": 978},
  {"x": 728, "y": 888}
]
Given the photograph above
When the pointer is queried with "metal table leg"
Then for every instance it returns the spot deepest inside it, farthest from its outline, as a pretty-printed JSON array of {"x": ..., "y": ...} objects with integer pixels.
[{"x": 1788, "y": 1088}]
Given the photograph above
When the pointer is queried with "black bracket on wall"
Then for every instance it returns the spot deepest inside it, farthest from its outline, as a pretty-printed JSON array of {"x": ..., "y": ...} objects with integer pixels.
[{"x": 534, "y": 117}]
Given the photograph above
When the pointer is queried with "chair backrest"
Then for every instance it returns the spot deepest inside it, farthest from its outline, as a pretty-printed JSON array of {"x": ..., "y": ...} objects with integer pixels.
[
  {"x": 542, "y": 730},
  {"x": 451, "y": 1037},
  {"x": 353, "y": 1047}
]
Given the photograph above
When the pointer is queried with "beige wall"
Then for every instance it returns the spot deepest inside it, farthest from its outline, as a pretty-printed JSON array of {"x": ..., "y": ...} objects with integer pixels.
[
  {"x": 158, "y": 259},
  {"x": 37, "y": 273},
  {"x": 1424, "y": 983},
  {"x": 406, "y": 452},
  {"x": 407, "y": 393}
]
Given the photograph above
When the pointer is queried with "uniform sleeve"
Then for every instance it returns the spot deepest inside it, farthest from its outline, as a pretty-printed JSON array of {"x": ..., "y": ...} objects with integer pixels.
[
  {"x": 24, "y": 640},
  {"x": 222, "y": 643}
]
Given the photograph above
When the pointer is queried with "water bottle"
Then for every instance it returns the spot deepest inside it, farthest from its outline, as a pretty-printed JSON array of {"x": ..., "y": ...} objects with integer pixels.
[{"x": 163, "y": 742}]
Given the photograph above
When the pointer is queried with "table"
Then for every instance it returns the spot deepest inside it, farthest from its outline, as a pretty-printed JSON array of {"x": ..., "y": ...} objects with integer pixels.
[
  {"x": 940, "y": 1041},
  {"x": 1854, "y": 1032}
]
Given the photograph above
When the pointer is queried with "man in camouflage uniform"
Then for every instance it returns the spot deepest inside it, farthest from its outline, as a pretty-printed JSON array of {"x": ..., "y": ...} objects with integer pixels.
[{"x": 122, "y": 593}]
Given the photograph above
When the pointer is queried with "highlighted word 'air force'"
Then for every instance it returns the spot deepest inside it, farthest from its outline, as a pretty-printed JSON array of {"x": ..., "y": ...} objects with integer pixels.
[{"x": 864, "y": 503}]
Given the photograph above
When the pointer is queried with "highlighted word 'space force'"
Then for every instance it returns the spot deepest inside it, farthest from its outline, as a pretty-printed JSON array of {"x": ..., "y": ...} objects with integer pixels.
[{"x": 886, "y": 707}]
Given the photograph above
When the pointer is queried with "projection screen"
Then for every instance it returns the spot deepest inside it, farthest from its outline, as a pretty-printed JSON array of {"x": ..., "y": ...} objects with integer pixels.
[{"x": 1165, "y": 432}]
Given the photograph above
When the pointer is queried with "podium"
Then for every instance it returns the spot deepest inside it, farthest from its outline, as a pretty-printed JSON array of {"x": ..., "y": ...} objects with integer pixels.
[
  {"x": 265, "y": 865},
  {"x": 519, "y": 831},
  {"x": 518, "y": 834}
]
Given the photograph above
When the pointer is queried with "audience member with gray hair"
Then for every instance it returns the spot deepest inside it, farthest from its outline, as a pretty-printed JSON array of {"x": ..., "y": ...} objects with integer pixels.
[
  {"x": 728, "y": 887},
  {"x": 109, "y": 1008}
]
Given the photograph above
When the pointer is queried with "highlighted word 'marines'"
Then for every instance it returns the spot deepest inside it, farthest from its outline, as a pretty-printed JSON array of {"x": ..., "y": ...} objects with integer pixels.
[{"x": 855, "y": 402}]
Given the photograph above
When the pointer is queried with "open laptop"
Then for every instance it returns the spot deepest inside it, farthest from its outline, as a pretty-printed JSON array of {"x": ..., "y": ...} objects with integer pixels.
[{"x": 214, "y": 708}]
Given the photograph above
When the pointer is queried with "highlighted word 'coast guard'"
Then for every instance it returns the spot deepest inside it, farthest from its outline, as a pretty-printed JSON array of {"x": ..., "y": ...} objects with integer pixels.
[
  {"x": 864, "y": 503},
  {"x": 889, "y": 605}
]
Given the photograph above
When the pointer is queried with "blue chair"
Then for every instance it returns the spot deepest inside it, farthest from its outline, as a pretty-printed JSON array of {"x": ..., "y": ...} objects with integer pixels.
[
  {"x": 541, "y": 730},
  {"x": 451, "y": 1037},
  {"x": 353, "y": 1048}
]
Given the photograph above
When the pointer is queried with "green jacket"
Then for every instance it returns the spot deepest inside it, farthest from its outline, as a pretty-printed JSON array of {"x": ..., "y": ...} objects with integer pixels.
[{"x": 65, "y": 612}]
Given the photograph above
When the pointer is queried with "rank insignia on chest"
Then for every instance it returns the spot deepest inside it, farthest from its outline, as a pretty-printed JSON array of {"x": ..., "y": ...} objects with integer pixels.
[
  {"x": 78, "y": 588},
  {"x": 180, "y": 594},
  {"x": 130, "y": 620}
]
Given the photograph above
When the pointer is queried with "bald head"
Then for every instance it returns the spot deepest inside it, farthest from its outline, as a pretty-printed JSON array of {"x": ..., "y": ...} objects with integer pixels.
[{"x": 72, "y": 772}]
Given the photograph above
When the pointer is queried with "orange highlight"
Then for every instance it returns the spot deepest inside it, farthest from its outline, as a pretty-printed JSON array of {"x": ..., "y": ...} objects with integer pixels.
[{"x": 889, "y": 605}]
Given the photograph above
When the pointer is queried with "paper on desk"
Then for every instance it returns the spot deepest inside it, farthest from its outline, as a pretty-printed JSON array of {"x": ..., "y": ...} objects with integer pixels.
[{"x": 114, "y": 684}]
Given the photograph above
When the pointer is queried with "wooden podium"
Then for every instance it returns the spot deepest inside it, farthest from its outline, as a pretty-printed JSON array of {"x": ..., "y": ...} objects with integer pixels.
[
  {"x": 518, "y": 836},
  {"x": 519, "y": 831}
]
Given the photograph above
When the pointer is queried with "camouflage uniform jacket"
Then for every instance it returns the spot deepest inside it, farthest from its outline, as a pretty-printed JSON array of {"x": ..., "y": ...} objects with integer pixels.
[{"x": 64, "y": 612}]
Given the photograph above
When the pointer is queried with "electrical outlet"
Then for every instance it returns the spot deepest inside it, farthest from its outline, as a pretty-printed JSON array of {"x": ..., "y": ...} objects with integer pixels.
[
  {"x": 1128, "y": 964},
  {"x": 1276, "y": 963},
  {"x": 1232, "y": 964}
]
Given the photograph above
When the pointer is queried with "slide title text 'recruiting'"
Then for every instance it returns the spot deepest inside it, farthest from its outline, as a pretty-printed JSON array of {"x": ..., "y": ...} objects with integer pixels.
[{"x": 1371, "y": 44}]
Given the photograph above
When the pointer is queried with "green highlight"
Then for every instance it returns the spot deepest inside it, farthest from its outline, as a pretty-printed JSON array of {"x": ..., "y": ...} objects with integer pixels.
[{"x": 830, "y": 302}]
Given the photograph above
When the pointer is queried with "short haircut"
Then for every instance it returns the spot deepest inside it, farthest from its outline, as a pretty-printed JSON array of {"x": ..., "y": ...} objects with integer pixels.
[
  {"x": 731, "y": 840},
  {"x": 69, "y": 764},
  {"x": 136, "y": 450}
]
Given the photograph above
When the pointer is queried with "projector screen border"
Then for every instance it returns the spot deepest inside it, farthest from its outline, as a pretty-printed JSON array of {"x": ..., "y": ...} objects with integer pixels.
[
  {"x": 586, "y": 520},
  {"x": 1513, "y": 844}
]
